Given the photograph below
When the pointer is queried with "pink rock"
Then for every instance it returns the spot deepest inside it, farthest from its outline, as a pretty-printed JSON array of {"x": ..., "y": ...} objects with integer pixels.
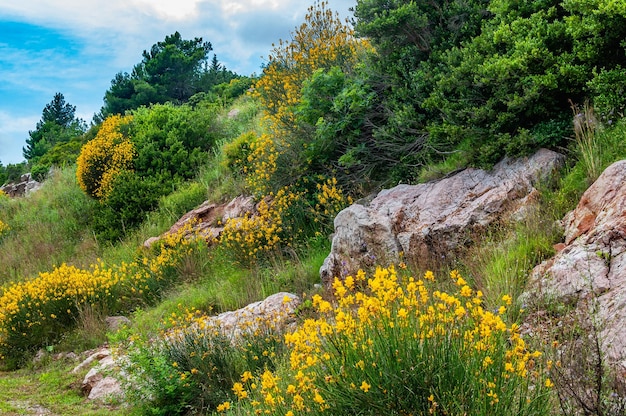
[
  {"x": 427, "y": 223},
  {"x": 208, "y": 219},
  {"x": 592, "y": 263}
]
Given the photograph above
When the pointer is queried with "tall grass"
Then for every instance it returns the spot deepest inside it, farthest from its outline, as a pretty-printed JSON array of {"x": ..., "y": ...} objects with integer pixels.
[
  {"x": 47, "y": 228},
  {"x": 393, "y": 344},
  {"x": 501, "y": 262},
  {"x": 588, "y": 146}
]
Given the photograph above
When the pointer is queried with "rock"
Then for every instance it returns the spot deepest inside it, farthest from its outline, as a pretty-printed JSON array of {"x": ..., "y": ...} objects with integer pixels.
[
  {"x": 278, "y": 310},
  {"x": 591, "y": 263},
  {"x": 23, "y": 187},
  {"x": 116, "y": 322},
  {"x": 208, "y": 219},
  {"x": 106, "y": 388},
  {"x": 427, "y": 223},
  {"x": 97, "y": 355},
  {"x": 97, "y": 384}
]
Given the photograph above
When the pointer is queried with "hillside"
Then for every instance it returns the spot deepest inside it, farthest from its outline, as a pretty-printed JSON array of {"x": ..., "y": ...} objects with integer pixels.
[{"x": 339, "y": 114}]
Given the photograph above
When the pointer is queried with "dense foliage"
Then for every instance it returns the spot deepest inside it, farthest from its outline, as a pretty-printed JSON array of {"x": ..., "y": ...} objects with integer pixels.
[
  {"x": 452, "y": 81},
  {"x": 136, "y": 159},
  {"x": 172, "y": 70},
  {"x": 491, "y": 78}
]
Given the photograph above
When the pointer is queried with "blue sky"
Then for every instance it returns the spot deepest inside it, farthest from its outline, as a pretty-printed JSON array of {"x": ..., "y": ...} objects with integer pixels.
[{"x": 77, "y": 46}]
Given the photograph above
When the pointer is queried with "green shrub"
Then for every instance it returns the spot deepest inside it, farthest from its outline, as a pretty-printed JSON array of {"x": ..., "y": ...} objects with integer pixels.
[
  {"x": 126, "y": 206},
  {"x": 609, "y": 93},
  {"x": 395, "y": 345},
  {"x": 171, "y": 141},
  {"x": 236, "y": 153},
  {"x": 194, "y": 366}
]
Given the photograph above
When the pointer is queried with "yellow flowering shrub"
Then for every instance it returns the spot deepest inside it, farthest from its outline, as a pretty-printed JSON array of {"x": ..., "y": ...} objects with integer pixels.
[
  {"x": 322, "y": 41},
  {"x": 4, "y": 227},
  {"x": 104, "y": 157},
  {"x": 395, "y": 344},
  {"x": 261, "y": 165},
  {"x": 253, "y": 235},
  {"x": 329, "y": 200},
  {"x": 36, "y": 312},
  {"x": 284, "y": 218}
]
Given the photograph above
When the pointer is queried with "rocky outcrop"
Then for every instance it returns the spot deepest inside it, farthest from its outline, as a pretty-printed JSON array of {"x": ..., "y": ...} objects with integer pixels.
[
  {"x": 23, "y": 187},
  {"x": 277, "y": 312},
  {"x": 98, "y": 384},
  {"x": 207, "y": 221},
  {"x": 591, "y": 263},
  {"x": 429, "y": 222}
]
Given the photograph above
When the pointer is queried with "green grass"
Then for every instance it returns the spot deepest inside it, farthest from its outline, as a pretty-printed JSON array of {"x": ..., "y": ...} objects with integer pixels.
[
  {"x": 48, "y": 227},
  {"x": 51, "y": 226},
  {"x": 51, "y": 387}
]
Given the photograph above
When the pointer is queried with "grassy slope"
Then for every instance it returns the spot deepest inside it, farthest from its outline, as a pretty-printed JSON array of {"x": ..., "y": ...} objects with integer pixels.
[
  {"x": 50, "y": 389},
  {"x": 48, "y": 229}
]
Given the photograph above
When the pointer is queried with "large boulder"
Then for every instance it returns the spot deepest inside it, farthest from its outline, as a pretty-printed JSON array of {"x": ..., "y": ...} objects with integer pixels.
[
  {"x": 429, "y": 222},
  {"x": 277, "y": 311},
  {"x": 591, "y": 264},
  {"x": 207, "y": 221},
  {"x": 25, "y": 185}
]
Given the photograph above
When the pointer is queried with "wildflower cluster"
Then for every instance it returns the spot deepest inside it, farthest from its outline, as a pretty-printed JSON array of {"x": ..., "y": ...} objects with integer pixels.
[
  {"x": 105, "y": 157},
  {"x": 261, "y": 164},
  {"x": 35, "y": 312},
  {"x": 4, "y": 227},
  {"x": 252, "y": 236},
  {"x": 283, "y": 218},
  {"x": 391, "y": 344},
  {"x": 197, "y": 363},
  {"x": 329, "y": 200},
  {"x": 322, "y": 41}
]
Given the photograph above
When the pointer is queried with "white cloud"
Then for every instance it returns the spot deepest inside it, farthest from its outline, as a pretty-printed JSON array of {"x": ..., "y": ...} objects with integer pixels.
[
  {"x": 169, "y": 10},
  {"x": 109, "y": 36}
]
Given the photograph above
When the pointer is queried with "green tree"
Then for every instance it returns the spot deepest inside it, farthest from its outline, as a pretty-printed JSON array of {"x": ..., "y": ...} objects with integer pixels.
[
  {"x": 173, "y": 66},
  {"x": 409, "y": 39},
  {"x": 58, "y": 124},
  {"x": 172, "y": 70}
]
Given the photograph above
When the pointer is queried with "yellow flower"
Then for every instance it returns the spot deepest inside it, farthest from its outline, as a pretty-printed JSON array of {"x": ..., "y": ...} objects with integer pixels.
[
  {"x": 487, "y": 361},
  {"x": 365, "y": 387},
  {"x": 223, "y": 407},
  {"x": 549, "y": 383},
  {"x": 507, "y": 299}
]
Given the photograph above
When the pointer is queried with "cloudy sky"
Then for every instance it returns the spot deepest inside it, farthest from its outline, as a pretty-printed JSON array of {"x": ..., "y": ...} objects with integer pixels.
[{"x": 77, "y": 46}]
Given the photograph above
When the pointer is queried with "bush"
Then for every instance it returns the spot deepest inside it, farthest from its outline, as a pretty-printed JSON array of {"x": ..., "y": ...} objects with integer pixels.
[
  {"x": 194, "y": 367},
  {"x": 392, "y": 345},
  {"x": 36, "y": 313},
  {"x": 237, "y": 152},
  {"x": 284, "y": 220},
  {"x": 104, "y": 157},
  {"x": 126, "y": 206},
  {"x": 171, "y": 141}
]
